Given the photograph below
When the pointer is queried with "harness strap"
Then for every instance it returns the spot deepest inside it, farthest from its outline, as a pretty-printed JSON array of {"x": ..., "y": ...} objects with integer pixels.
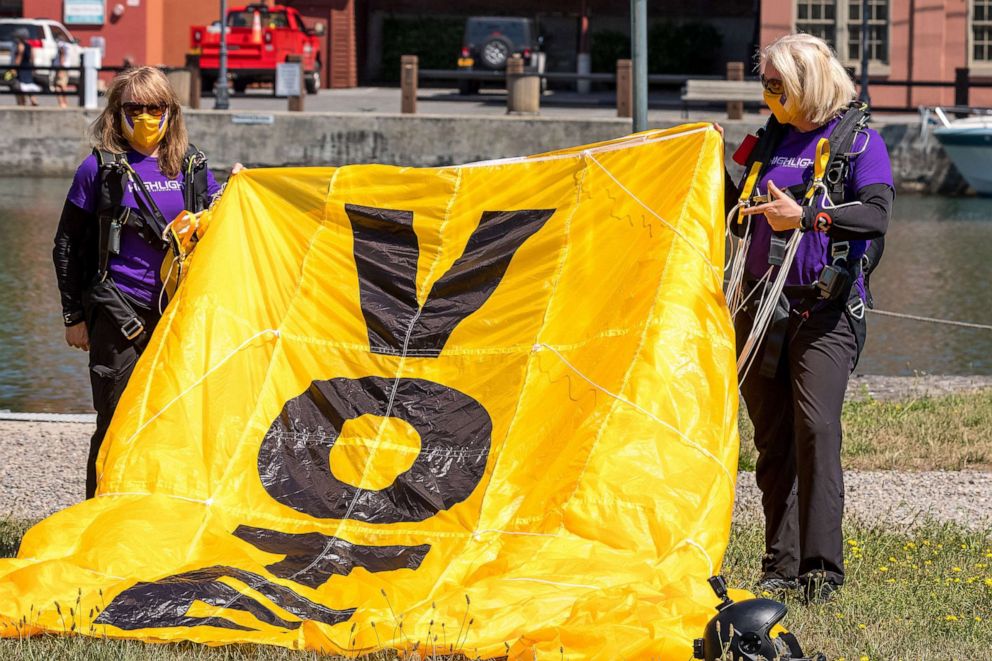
[
  {"x": 194, "y": 179},
  {"x": 111, "y": 214}
]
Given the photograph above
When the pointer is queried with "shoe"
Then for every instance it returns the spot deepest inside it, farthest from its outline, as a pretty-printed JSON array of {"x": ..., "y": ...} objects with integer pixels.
[
  {"x": 777, "y": 586},
  {"x": 819, "y": 591}
]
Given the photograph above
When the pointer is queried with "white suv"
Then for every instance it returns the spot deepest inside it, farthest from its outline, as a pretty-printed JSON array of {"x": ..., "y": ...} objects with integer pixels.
[{"x": 44, "y": 35}]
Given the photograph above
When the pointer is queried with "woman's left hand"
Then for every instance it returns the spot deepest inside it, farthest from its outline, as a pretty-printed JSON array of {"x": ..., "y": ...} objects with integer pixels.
[{"x": 783, "y": 213}]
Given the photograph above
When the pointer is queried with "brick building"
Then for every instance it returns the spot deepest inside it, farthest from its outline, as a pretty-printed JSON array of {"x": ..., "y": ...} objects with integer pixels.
[
  {"x": 362, "y": 36},
  {"x": 909, "y": 40}
]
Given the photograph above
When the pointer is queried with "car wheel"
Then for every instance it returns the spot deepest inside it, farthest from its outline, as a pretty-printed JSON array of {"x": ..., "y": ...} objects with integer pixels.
[
  {"x": 313, "y": 82},
  {"x": 495, "y": 53}
]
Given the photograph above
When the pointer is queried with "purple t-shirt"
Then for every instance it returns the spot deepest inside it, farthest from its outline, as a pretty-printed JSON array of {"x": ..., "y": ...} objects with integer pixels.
[
  {"x": 136, "y": 270},
  {"x": 792, "y": 165}
]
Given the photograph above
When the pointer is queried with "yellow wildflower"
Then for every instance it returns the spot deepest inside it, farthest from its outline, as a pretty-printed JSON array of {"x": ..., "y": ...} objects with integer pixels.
[{"x": 951, "y": 618}]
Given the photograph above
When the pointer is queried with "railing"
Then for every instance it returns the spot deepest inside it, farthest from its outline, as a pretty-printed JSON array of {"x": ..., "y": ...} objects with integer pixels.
[
  {"x": 411, "y": 75},
  {"x": 186, "y": 82},
  {"x": 85, "y": 87}
]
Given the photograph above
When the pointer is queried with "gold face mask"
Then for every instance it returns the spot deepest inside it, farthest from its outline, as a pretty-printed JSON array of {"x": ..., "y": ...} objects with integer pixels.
[
  {"x": 144, "y": 131},
  {"x": 785, "y": 112}
]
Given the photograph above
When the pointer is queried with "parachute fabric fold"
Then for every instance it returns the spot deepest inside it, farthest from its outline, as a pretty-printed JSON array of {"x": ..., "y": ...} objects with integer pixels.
[{"x": 499, "y": 397}]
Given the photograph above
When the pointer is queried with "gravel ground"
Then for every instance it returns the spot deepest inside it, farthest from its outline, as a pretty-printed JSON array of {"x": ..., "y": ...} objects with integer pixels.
[{"x": 41, "y": 469}]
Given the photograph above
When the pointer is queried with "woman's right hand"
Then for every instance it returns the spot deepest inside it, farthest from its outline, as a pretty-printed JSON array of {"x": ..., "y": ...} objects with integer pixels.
[{"x": 77, "y": 337}]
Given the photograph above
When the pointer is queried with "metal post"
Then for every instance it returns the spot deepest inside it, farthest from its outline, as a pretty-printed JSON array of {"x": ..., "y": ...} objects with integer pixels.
[
  {"x": 639, "y": 55},
  {"x": 584, "y": 60},
  {"x": 221, "y": 93},
  {"x": 865, "y": 97}
]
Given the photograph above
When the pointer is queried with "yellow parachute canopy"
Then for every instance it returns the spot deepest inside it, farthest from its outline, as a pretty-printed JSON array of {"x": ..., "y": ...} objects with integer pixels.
[{"x": 500, "y": 398}]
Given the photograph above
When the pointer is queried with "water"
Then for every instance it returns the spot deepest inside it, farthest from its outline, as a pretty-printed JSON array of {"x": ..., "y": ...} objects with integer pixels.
[{"x": 937, "y": 263}]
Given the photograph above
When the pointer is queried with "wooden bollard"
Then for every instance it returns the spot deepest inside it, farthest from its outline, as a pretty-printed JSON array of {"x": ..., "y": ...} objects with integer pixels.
[
  {"x": 295, "y": 102},
  {"x": 523, "y": 91},
  {"x": 735, "y": 71},
  {"x": 195, "y": 81},
  {"x": 625, "y": 90},
  {"x": 408, "y": 84}
]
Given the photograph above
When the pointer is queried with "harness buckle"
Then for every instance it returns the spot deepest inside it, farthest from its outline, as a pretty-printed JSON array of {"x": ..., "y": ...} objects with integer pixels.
[
  {"x": 857, "y": 310},
  {"x": 133, "y": 328},
  {"x": 839, "y": 250}
]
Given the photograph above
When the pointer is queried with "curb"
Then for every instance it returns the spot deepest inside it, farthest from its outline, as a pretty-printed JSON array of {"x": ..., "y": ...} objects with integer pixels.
[{"x": 80, "y": 418}]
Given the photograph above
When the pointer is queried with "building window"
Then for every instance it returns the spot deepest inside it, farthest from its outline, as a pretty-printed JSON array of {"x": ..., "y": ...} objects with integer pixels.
[
  {"x": 838, "y": 22},
  {"x": 878, "y": 31},
  {"x": 818, "y": 18},
  {"x": 981, "y": 31}
]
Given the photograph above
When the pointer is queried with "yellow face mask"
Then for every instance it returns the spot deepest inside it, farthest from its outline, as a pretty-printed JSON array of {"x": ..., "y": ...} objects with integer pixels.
[
  {"x": 786, "y": 112},
  {"x": 144, "y": 131}
]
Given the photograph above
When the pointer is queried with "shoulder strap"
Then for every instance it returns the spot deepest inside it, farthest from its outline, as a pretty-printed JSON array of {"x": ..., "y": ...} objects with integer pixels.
[
  {"x": 769, "y": 137},
  {"x": 842, "y": 139},
  {"x": 111, "y": 215},
  {"x": 195, "y": 179},
  {"x": 111, "y": 179},
  {"x": 146, "y": 203}
]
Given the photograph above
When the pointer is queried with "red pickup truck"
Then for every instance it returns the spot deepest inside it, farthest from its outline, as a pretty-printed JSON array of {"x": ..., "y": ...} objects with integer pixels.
[{"x": 258, "y": 37}]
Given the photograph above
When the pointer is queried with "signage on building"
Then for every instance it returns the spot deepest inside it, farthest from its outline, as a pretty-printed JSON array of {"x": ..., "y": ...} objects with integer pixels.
[{"x": 83, "y": 12}]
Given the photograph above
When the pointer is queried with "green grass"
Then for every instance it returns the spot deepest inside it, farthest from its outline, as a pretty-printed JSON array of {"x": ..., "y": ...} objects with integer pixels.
[
  {"x": 928, "y": 433},
  {"x": 920, "y": 595},
  {"x": 909, "y": 595}
]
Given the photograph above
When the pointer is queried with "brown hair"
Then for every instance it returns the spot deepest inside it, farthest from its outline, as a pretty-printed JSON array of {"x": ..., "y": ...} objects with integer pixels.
[{"x": 146, "y": 85}]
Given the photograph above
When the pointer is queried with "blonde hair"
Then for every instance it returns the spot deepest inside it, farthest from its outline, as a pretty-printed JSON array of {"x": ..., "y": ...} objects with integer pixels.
[
  {"x": 145, "y": 85},
  {"x": 811, "y": 74}
]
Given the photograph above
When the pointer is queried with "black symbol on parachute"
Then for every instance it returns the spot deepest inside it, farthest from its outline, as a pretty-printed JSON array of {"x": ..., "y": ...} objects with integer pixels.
[
  {"x": 312, "y": 558},
  {"x": 165, "y": 603},
  {"x": 455, "y": 430},
  {"x": 293, "y": 462}
]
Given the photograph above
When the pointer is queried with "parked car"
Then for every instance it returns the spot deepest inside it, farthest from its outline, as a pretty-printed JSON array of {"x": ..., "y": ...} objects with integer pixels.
[
  {"x": 258, "y": 37},
  {"x": 43, "y": 35},
  {"x": 490, "y": 42}
]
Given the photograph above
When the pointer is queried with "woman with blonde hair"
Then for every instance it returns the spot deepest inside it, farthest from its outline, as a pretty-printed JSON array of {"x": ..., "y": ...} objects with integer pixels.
[
  {"x": 815, "y": 199},
  {"x": 109, "y": 247}
]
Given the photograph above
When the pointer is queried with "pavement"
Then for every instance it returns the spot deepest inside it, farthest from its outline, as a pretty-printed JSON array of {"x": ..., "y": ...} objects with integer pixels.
[{"x": 664, "y": 106}]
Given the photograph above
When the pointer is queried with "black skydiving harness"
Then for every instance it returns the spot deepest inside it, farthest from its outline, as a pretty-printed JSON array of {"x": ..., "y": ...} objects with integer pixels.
[
  {"x": 831, "y": 167},
  {"x": 113, "y": 176}
]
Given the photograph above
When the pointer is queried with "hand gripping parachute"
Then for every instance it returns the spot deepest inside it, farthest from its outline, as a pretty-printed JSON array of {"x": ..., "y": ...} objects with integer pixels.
[{"x": 477, "y": 408}]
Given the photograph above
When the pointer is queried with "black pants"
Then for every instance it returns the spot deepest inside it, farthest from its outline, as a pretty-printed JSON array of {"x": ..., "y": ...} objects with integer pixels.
[
  {"x": 797, "y": 431},
  {"x": 112, "y": 359}
]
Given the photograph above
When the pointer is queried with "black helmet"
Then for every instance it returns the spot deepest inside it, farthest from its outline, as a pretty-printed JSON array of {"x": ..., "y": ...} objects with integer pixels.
[{"x": 742, "y": 631}]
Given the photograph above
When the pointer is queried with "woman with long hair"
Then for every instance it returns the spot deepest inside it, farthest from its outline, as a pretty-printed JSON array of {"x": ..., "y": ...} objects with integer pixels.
[
  {"x": 109, "y": 247},
  {"x": 819, "y": 209}
]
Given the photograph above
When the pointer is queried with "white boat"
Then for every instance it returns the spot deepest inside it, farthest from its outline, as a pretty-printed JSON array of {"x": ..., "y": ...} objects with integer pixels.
[{"x": 968, "y": 143}]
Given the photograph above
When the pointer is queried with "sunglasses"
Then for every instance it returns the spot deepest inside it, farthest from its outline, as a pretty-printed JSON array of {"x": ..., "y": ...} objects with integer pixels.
[
  {"x": 773, "y": 85},
  {"x": 135, "y": 109}
]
